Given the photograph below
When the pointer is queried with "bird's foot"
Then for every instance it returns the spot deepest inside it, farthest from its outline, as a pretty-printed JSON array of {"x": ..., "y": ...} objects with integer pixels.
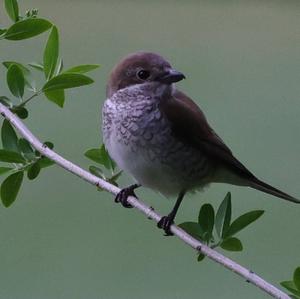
[
  {"x": 165, "y": 223},
  {"x": 123, "y": 195}
]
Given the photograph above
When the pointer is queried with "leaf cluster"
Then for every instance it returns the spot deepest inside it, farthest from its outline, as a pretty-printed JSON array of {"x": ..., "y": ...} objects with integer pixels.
[
  {"x": 19, "y": 76},
  {"x": 217, "y": 229},
  {"x": 17, "y": 155},
  {"x": 19, "y": 158}
]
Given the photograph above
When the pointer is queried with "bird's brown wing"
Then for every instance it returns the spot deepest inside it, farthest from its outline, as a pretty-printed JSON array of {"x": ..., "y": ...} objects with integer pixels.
[{"x": 190, "y": 125}]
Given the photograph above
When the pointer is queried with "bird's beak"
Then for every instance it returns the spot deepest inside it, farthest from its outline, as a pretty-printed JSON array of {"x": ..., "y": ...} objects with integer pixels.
[{"x": 171, "y": 76}]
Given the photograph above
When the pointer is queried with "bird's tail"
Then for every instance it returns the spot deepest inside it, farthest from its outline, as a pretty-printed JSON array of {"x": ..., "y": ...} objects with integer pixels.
[{"x": 262, "y": 186}]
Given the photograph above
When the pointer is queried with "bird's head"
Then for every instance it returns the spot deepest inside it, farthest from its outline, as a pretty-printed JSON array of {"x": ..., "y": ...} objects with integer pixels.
[{"x": 141, "y": 68}]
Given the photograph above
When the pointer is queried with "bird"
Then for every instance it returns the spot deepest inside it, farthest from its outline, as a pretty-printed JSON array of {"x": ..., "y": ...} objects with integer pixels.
[{"x": 161, "y": 137}]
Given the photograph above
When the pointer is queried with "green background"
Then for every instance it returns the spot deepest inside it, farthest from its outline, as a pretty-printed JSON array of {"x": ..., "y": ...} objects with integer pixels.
[{"x": 63, "y": 239}]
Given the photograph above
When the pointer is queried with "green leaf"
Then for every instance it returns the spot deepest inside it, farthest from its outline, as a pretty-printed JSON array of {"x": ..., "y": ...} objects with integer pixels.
[
  {"x": 49, "y": 144},
  {"x": 56, "y": 96},
  {"x": 60, "y": 66},
  {"x": 116, "y": 176},
  {"x": 200, "y": 257},
  {"x": 232, "y": 244},
  {"x": 4, "y": 170},
  {"x": 26, "y": 149},
  {"x": 25, "y": 146},
  {"x": 20, "y": 111},
  {"x": 37, "y": 66},
  {"x": 51, "y": 53},
  {"x": 101, "y": 156},
  {"x": 33, "y": 171},
  {"x": 290, "y": 285},
  {"x": 11, "y": 157},
  {"x": 296, "y": 278},
  {"x": 243, "y": 221},
  {"x": 67, "y": 80},
  {"x": 26, "y": 72},
  {"x": 2, "y": 31},
  {"x": 223, "y": 216},
  {"x": 45, "y": 162},
  {"x": 9, "y": 137},
  {"x": 12, "y": 9},
  {"x": 294, "y": 297},
  {"x": 10, "y": 188},
  {"x": 94, "y": 154},
  {"x": 97, "y": 172},
  {"x": 7, "y": 64},
  {"x": 15, "y": 80},
  {"x": 83, "y": 68},
  {"x": 206, "y": 219},
  {"x": 27, "y": 28},
  {"x": 193, "y": 228}
]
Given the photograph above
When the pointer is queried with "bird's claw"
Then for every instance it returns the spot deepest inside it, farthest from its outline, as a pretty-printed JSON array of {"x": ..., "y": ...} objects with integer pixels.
[
  {"x": 123, "y": 195},
  {"x": 165, "y": 223}
]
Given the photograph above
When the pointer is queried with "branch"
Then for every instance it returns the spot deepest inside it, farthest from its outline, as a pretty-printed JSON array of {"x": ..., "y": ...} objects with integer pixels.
[{"x": 248, "y": 275}]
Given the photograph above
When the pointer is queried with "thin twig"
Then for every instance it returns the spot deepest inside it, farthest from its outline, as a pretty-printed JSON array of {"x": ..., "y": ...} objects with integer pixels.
[
  {"x": 29, "y": 99},
  {"x": 248, "y": 275}
]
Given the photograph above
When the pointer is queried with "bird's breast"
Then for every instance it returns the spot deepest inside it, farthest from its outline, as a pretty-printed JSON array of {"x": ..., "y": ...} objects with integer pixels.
[{"x": 140, "y": 139}]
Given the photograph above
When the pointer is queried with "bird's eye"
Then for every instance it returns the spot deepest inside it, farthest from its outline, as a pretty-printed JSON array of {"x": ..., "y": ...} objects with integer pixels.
[{"x": 143, "y": 74}]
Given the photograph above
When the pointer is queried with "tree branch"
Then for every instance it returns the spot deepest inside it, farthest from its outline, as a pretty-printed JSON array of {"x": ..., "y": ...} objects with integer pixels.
[{"x": 248, "y": 275}]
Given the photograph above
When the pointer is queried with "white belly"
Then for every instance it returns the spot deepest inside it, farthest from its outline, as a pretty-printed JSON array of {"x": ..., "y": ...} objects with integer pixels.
[{"x": 144, "y": 167}]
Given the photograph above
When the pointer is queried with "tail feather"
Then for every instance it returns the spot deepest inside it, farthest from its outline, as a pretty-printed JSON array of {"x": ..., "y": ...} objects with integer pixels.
[{"x": 264, "y": 187}]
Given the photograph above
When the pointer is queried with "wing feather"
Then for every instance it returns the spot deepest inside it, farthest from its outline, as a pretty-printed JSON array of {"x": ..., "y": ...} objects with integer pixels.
[{"x": 189, "y": 124}]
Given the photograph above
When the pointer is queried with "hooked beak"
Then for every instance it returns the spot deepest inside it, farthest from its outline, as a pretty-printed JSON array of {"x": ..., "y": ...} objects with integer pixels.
[{"x": 171, "y": 76}]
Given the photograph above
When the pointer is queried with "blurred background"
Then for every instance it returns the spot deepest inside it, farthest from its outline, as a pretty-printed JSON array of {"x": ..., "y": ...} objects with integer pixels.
[{"x": 63, "y": 239}]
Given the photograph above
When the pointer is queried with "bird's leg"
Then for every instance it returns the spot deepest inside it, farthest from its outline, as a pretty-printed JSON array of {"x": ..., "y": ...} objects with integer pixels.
[
  {"x": 166, "y": 221},
  {"x": 122, "y": 196}
]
